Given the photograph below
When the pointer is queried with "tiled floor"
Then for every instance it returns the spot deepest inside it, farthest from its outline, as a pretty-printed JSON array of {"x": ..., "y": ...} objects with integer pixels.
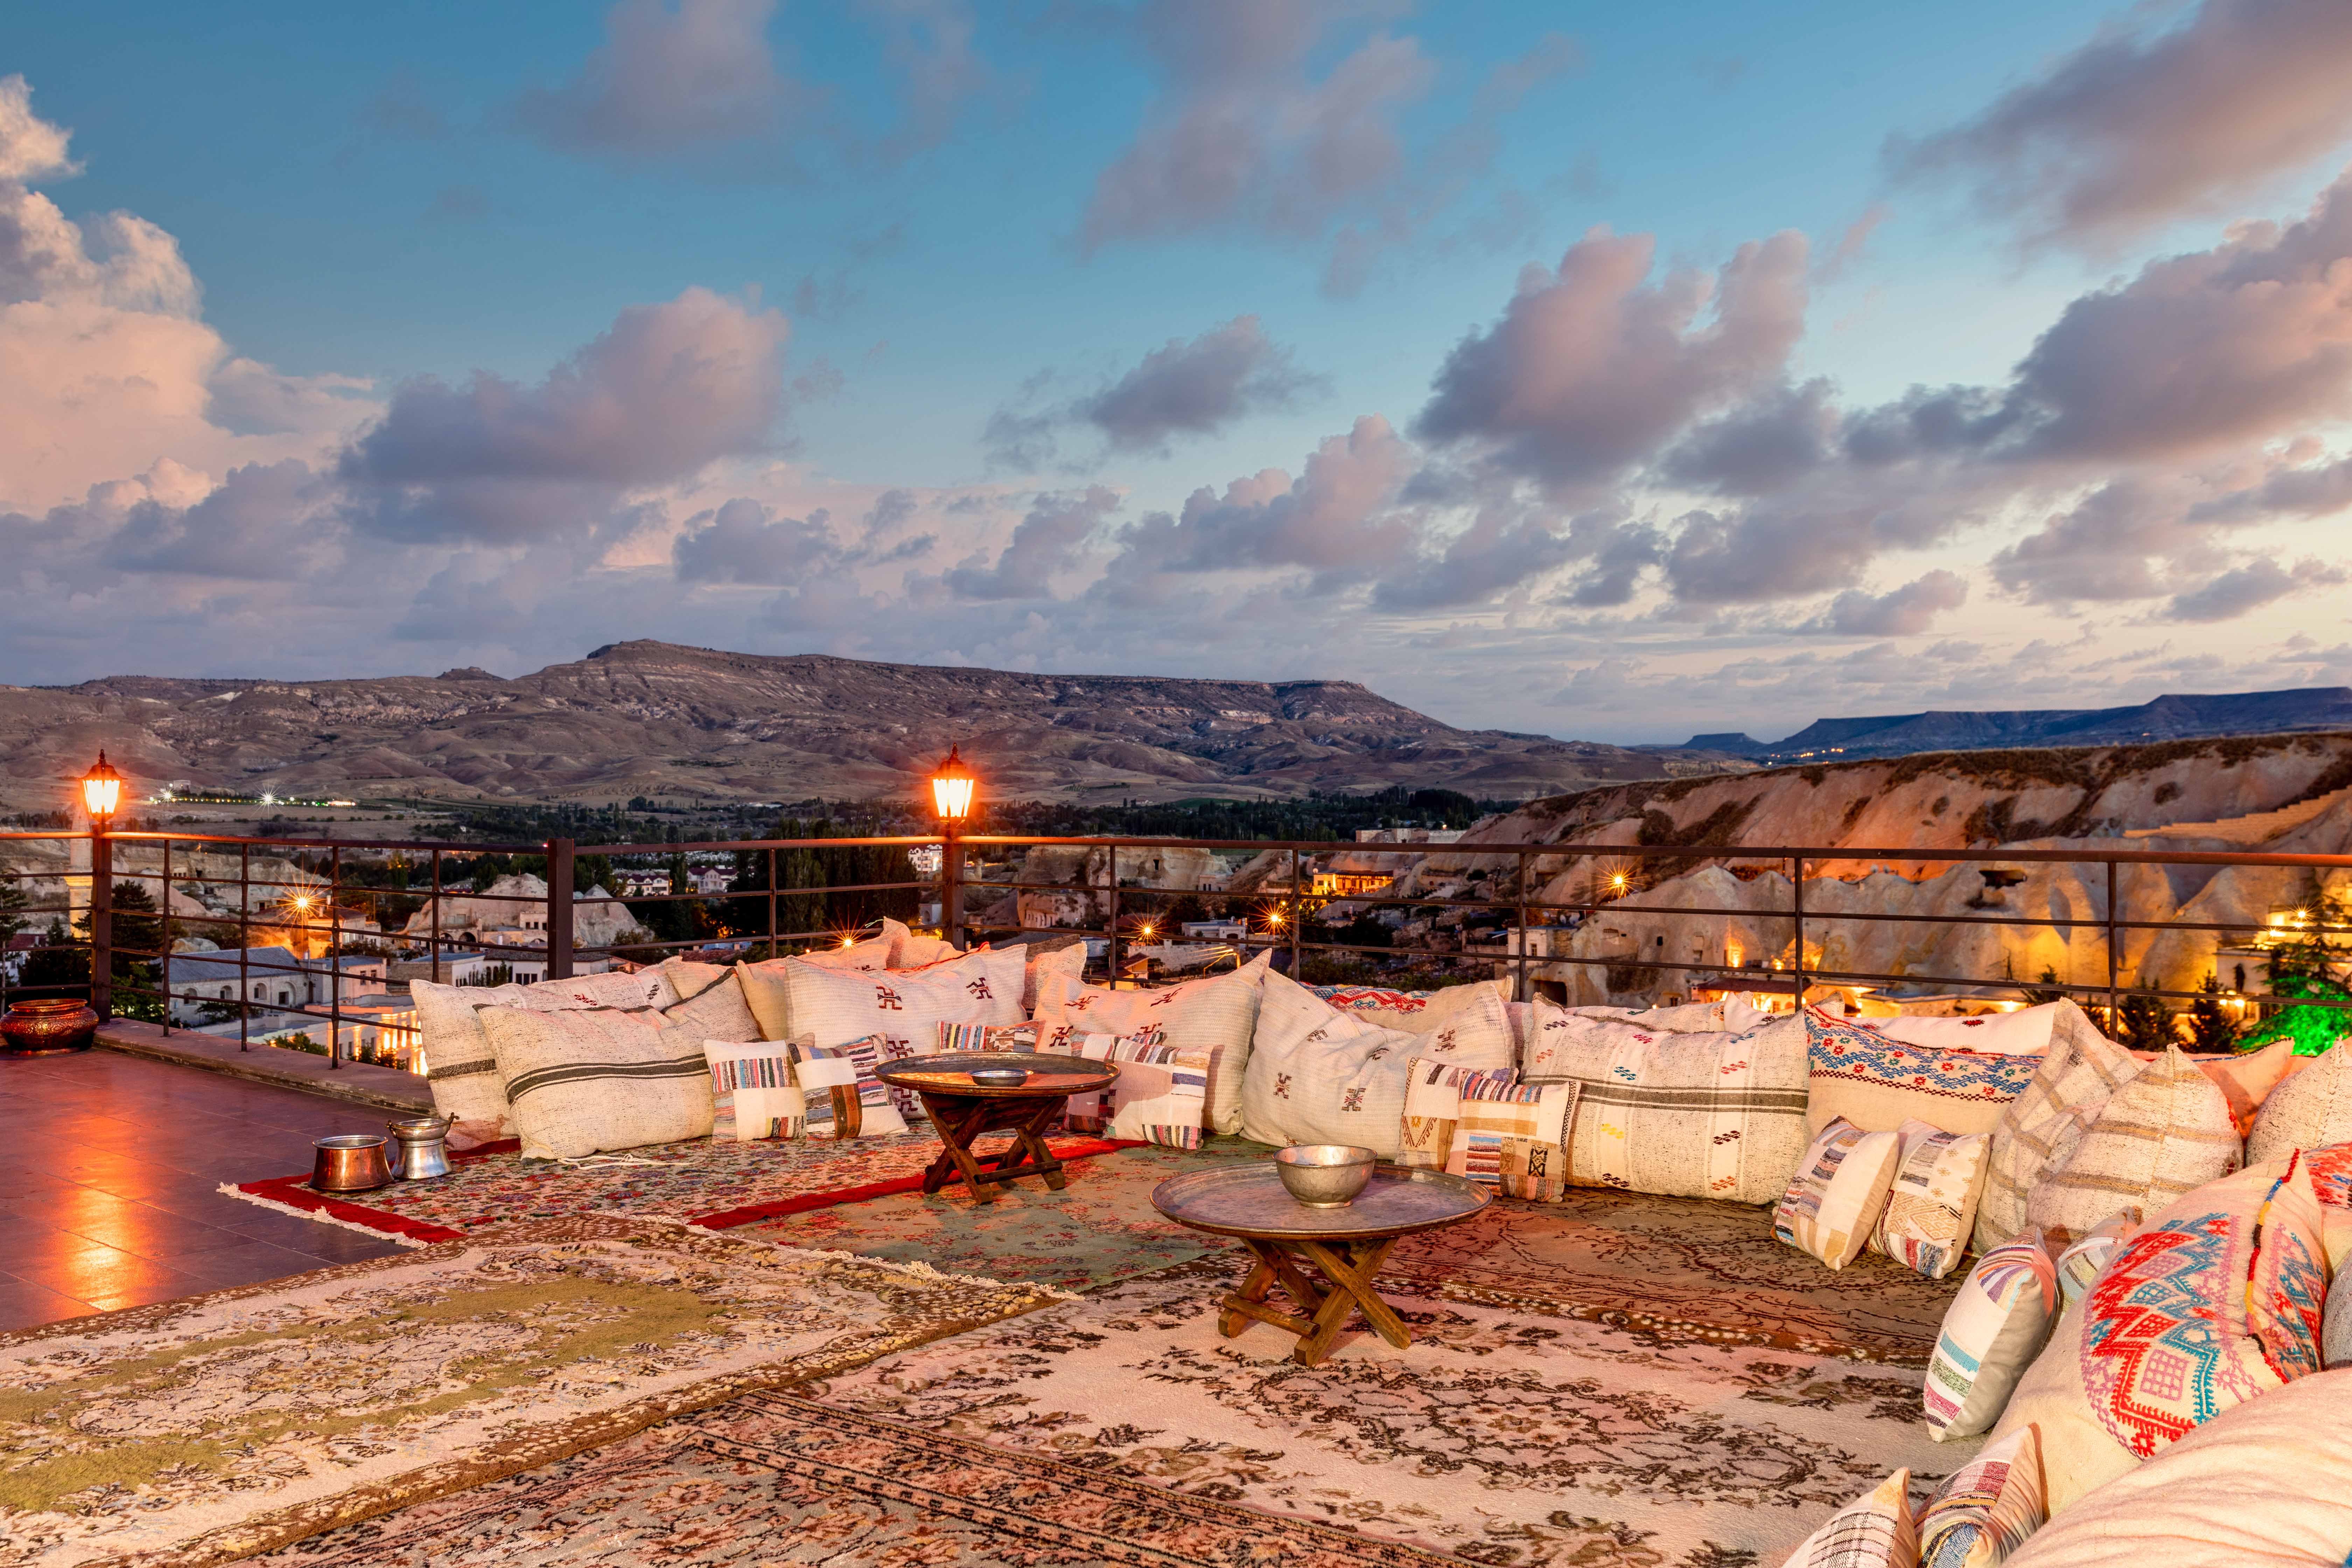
[{"x": 108, "y": 1172}]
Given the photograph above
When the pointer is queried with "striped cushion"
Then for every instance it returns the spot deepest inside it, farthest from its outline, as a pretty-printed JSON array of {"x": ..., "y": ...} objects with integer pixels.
[
  {"x": 1988, "y": 1508},
  {"x": 816, "y": 1066},
  {"x": 1513, "y": 1137},
  {"x": 2166, "y": 1133},
  {"x": 1838, "y": 1192},
  {"x": 1872, "y": 1532},
  {"x": 752, "y": 1092},
  {"x": 1161, "y": 1089},
  {"x": 593, "y": 1079},
  {"x": 1992, "y": 1331},
  {"x": 1433, "y": 1104},
  {"x": 1932, "y": 1206},
  {"x": 2041, "y": 1125},
  {"x": 956, "y": 1039}
]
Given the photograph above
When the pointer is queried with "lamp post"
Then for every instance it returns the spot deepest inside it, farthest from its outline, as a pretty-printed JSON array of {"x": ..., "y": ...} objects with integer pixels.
[
  {"x": 102, "y": 794},
  {"x": 952, "y": 788}
]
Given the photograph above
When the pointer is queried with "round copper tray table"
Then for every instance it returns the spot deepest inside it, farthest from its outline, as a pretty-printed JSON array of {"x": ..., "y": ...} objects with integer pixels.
[
  {"x": 1347, "y": 1246},
  {"x": 962, "y": 1110}
]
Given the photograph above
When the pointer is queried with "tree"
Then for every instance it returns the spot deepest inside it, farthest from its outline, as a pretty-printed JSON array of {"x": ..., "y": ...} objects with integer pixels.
[
  {"x": 2211, "y": 1028},
  {"x": 13, "y": 902},
  {"x": 2145, "y": 1024}
]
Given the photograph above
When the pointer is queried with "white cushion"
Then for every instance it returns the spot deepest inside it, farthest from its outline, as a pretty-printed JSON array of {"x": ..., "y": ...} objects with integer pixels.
[
  {"x": 2312, "y": 1108},
  {"x": 2039, "y": 1128},
  {"x": 593, "y": 1081},
  {"x": 460, "y": 1067},
  {"x": 833, "y": 1007},
  {"x": 1216, "y": 1014},
  {"x": 648, "y": 987},
  {"x": 1931, "y": 1210},
  {"x": 1319, "y": 1074},
  {"x": 2024, "y": 1033},
  {"x": 2166, "y": 1133},
  {"x": 1839, "y": 1189},
  {"x": 1991, "y": 1333},
  {"x": 2336, "y": 1327}
]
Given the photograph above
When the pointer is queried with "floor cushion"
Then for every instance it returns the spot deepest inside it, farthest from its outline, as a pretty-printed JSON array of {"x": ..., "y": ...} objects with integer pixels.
[
  {"x": 647, "y": 987},
  {"x": 462, "y": 1071},
  {"x": 2245, "y": 1078},
  {"x": 710, "y": 1003},
  {"x": 1513, "y": 1137},
  {"x": 1992, "y": 1331},
  {"x": 1733, "y": 1012},
  {"x": 1432, "y": 1105},
  {"x": 2310, "y": 1109},
  {"x": 2266, "y": 1484},
  {"x": 1055, "y": 955},
  {"x": 818, "y": 1069},
  {"x": 1986, "y": 1508},
  {"x": 2166, "y": 1133},
  {"x": 2087, "y": 1256},
  {"x": 2024, "y": 1033},
  {"x": 1162, "y": 1090},
  {"x": 912, "y": 949},
  {"x": 1416, "y": 1012},
  {"x": 962, "y": 1039},
  {"x": 870, "y": 953},
  {"x": 1878, "y": 1084},
  {"x": 832, "y": 1007},
  {"x": 592, "y": 1080},
  {"x": 1875, "y": 1531},
  {"x": 1216, "y": 1014},
  {"x": 1836, "y": 1195},
  {"x": 2041, "y": 1127},
  {"x": 1680, "y": 1115},
  {"x": 753, "y": 1094},
  {"x": 1319, "y": 1074},
  {"x": 1931, "y": 1210}
]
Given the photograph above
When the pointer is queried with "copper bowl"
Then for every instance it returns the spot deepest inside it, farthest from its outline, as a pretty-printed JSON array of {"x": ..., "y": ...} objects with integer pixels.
[
  {"x": 50, "y": 1028},
  {"x": 349, "y": 1163}
]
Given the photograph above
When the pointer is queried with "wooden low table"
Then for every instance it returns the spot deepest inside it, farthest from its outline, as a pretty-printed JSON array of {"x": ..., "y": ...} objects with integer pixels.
[
  {"x": 962, "y": 1110},
  {"x": 1347, "y": 1246}
]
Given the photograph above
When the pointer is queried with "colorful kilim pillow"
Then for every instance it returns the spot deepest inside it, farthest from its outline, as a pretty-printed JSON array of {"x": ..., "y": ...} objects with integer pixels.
[
  {"x": 2042, "y": 1126},
  {"x": 592, "y": 1080},
  {"x": 2166, "y": 1133},
  {"x": 2217, "y": 1300},
  {"x": 1513, "y": 1137},
  {"x": 752, "y": 1093},
  {"x": 1353, "y": 997},
  {"x": 1992, "y": 1331},
  {"x": 816, "y": 1066},
  {"x": 958, "y": 1039},
  {"x": 2087, "y": 1256},
  {"x": 1681, "y": 1115},
  {"x": 1160, "y": 1092},
  {"x": 1873, "y": 1531},
  {"x": 1217, "y": 1013},
  {"x": 1878, "y": 1084},
  {"x": 1419, "y": 1012},
  {"x": 1839, "y": 1189},
  {"x": 2309, "y": 1110},
  {"x": 1987, "y": 1507},
  {"x": 1932, "y": 1206},
  {"x": 2331, "y": 1174},
  {"x": 1433, "y": 1104}
]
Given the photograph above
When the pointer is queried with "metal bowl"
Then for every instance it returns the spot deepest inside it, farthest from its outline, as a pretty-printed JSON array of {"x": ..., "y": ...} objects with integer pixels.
[
  {"x": 1325, "y": 1175},
  {"x": 349, "y": 1163},
  {"x": 1000, "y": 1078}
]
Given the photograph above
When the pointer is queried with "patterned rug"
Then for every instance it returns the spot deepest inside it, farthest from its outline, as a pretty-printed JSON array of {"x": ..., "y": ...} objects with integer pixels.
[
  {"x": 768, "y": 1479},
  {"x": 200, "y": 1431},
  {"x": 717, "y": 1185},
  {"x": 1502, "y": 1435}
]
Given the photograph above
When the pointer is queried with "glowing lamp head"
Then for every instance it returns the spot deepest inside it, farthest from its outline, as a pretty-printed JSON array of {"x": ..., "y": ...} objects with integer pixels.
[
  {"x": 1275, "y": 919},
  {"x": 1618, "y": 881},
  {"x": 849, "y": 942},
  {"x": 101, "y": 789},
  {"x": 1146, "y": 930},
  {"x": 951, "y": 788}
]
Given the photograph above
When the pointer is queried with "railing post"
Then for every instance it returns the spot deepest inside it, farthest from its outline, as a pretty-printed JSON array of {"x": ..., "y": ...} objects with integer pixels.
[
  {"x": 1520, "y": 993},
  {"x": 772, "y": 904},
  {"x": 1297, "y": 918},
  {"x": 433, "y": 907},
  {"x": 101, "y": 920},
  {"x": 245, "y": 947},
  {"x": 334, "y": 959},
  {"x": 952, "y": 883},
  {"x": 1111, "y": 953},
  {"x": 1797, "y": 909},
  {"x": 558, "y": 909},
  {"x": 2115, "y": 1015}
]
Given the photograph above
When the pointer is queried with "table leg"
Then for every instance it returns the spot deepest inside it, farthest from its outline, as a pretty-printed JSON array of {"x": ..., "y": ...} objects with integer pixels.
[
  {"x": 1029, "y": 1138},
  {"x": 1351, "y": 1281},
  {"x": 1247, "y": 1305}
]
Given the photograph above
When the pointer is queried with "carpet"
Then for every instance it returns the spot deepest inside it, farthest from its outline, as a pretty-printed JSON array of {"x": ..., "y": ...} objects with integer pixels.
[
  {"x": 710, "y": 1182},
  {"x": 203, "y": 1430},
  {"x": 1100, "y": 1228},
  {"x": 1684, "y": 1266},
  {"x": 770, "y": 1478},
  {"x": 1503, "y": 1435}
]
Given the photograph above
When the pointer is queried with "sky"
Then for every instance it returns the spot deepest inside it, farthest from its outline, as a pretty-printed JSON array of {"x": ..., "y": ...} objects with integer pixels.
[{"x": 1614, "y": 373}]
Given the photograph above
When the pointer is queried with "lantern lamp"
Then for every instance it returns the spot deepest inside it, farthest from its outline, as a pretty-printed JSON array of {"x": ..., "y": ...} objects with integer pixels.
[
  {"x": 951, "y": 788},
  {"x": 102, "y": 790}
]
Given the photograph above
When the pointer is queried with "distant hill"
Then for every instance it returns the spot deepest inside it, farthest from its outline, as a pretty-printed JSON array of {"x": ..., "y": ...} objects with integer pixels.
[
  {"x": 682, "y": 724},
  {"x": 2180, "y": 718}
]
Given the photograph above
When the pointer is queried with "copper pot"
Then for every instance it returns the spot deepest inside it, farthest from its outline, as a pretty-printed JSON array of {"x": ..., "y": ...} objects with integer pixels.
[{"x": 47, "y": 1027}]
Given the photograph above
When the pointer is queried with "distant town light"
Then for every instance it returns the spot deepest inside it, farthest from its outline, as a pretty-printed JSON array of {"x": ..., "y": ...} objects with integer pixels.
[
  {"x": 102, "y": 790},
  {"x": 951, "y": 788}
]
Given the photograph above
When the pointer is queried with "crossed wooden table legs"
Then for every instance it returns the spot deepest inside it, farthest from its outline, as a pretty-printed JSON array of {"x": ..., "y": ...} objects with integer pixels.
[
  {"x": 1349, "y": 1266},
  {"x": 960, "y": 1119}
]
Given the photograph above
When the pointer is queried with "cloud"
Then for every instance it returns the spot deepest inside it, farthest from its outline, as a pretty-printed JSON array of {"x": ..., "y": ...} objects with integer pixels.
[
  {"x": 740, "y": 542},
  {"x": 1047, "y": 543},
  {"x": 1905, "y": 612},
  {"x": 929, "y": 43},
  {"x": 1184, "y": 388},
  {"x": 2147, "y": 123},
  {"x": 1591, "y": 368},
  {"x": 669, "y": 78},
  {"x": 31, "y": 149},
  {"x": 2250, "y": 587}
]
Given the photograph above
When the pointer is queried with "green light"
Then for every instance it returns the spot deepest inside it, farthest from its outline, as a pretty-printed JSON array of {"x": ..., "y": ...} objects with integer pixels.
[{"x": 2313, "y": 1029}]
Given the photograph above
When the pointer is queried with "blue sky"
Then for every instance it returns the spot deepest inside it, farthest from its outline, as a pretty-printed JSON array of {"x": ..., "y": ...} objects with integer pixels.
[{"x": 1003, "y": 334}]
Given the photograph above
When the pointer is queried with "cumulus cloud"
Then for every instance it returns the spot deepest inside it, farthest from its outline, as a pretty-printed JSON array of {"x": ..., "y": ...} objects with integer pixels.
[
  {"x": 1049, "y": 541},
  {"x": 1905, "y": 612},
  {"x": 1591, "y": 367},
  {"x": 2250, "y": 587},
  {"x": 31, "y": 149},
  {"x": 1195, "y": 387},
  {"x": 669, "y": 77},
  {"x": 2150, "y": 121},
  {"x": 740, "y": 542}
]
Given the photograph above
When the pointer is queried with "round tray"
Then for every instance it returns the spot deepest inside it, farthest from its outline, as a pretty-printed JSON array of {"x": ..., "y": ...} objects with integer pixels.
[
  {"x": 951, "y": 1073},
  {"x": 1250, "y": 1200}
]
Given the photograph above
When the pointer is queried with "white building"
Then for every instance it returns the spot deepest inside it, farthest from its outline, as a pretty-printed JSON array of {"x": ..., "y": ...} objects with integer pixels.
[{"x": 265, "y": 978}]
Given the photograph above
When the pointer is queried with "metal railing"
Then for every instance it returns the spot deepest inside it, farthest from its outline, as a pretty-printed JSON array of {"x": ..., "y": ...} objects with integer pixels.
[{"x": 760, "y": 893}]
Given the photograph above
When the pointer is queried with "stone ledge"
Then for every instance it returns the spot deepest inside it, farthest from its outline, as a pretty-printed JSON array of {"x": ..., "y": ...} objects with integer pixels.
[{"x": 360, "y": 1083}]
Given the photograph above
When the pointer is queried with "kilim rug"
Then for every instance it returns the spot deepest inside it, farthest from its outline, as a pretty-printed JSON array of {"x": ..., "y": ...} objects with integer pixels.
[
  {"x": 1502, "y": 1434},
  {"x": 770, "y": 1478},
  {"x": 710, "y": 1182},
  {"x": 199, "y": 1431}
]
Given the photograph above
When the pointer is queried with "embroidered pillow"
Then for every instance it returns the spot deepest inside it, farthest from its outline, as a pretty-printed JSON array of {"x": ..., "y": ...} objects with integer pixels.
[
  {"x": 709, "y": 1003},
  {"x": 1932, "y": 1208},
  {"x": 1414, "y": 1012},
  {"x": 2041, "y": 1126},
  {"x": 2024, "y": 1033},
  {"x": 1681, "y": 1115},
  {"x": 1216, "y": 1014},
  {"x": 1513, "y": 1137},
  {"x": 1160, "y": 1092},
  {"x": 2331, "y": 1174},
  {"x": 957, "y": 1038},
  {"x": 1986, "y": 1508},
  {"x": 753, "y": 1094},
  {"x": 1316, "y": 1075},
  {"x": 1992, "y": 1331},
  {"x": 1878, "y": 1084},
  {"x": 1433, "y": 1104},
  {"x": 1838, "y": 1192},
  {"x": 613, "y": 988},
  {"x": 591, "y": 1080},
  {"x": 1064, "y": 956},
  {"x": 1872, "y": 1532},
  {"x": 833, "y": 1007},
  {"x": 850, "y": 1065},
  {"x": 2162, "y": 1134},
  {"x": 2084, "y": 1260},
  {"x": 2310, "y": 1109}
]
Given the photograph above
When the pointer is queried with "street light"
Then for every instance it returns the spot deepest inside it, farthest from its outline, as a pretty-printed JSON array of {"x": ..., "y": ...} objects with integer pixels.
[
  {"x": 952, "y": 787},
  {"x": 102, "y": 790}
]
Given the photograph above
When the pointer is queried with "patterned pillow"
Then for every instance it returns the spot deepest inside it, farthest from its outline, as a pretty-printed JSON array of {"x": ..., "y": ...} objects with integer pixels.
[
  {"x": 592, "y": 1080},
  {"x": 1872, "y": 1532},
  {"x": 2084, "y": 1260},
  {"x": 1091, "y": 1112},
  {"x": 833, "y": 1007},
  {"x": 2310, "y": 1109},
  {"x": 1682, "y": 1115},
  {"x": 852, "y": 1064},
  {"x": 2166, "y": 1133},
  {"x": 1992, "y": 1331},
  {"x": 1217, "y": 1013},
  {"x": 1316, "y": 1075},
  {"x": 1513, "y": 1137},
  {"x": 1932, "y": 1206},
  {"x": 2041, "y": 1126},
  {"x": 1839, "y": 1189},
  {"x": 753, "y": 1094},
  {"x": 1433, "y": 1104},
  {"x": 1162, "y": 1090},
  {"x": 2246, "y": 1078},
  {"x": 959, "y": 1038},
  {"x": 1878, "y": 1084},
  {"x": 614, "y": 988},
  {"x": 2331, "y": 1174},
  {"x": 1418, "y": 1012},
  {"x": 1064, "y": 956},
  {"x": 1986, "y": 1508},
  {"x": 2024, "y": 1033},
  {"x": 1351, "y": 998}
]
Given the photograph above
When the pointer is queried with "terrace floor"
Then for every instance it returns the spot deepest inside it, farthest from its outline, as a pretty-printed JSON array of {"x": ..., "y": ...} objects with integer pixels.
[{"x": 107, "y": 1179}]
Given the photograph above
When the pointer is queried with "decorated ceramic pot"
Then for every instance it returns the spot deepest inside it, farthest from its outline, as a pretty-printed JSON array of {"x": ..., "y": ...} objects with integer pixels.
[{"x": 47, "y": 1027}]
